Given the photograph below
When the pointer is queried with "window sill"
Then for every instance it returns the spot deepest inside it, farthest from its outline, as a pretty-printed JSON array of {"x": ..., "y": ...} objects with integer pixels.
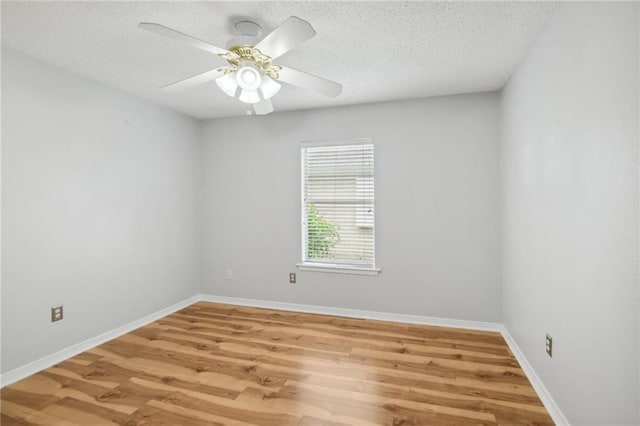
[{"x": 337, "y": 269}]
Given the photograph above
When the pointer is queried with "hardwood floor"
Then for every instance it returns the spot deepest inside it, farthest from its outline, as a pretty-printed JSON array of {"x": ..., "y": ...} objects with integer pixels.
[{"x": 212, "y": 364}]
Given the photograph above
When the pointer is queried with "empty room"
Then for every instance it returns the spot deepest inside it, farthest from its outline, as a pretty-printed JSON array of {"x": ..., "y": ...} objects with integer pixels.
[{"x": 320, "y": 213}]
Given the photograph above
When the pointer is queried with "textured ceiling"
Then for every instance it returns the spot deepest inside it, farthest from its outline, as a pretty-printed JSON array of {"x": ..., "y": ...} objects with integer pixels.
[{"x": 378, "y": 50}]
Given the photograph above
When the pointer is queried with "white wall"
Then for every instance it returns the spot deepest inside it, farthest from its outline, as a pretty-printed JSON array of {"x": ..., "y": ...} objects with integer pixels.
[
  {"x": 437, "y": 221},
  {"x": 100, "y": 208},
  {"x": 570, "y": 210}
]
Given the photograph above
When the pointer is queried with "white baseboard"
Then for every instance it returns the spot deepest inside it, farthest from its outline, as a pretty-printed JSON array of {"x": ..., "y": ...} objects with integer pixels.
[
  {"x": 551, "y": 406},
  {"x": 354, "y": 313},
  {"x": 20, "y": 373}
]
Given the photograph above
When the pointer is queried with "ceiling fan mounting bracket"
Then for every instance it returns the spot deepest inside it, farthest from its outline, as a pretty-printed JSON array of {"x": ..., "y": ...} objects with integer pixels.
[
  {"x": 247, "y": 34},
  {"x": 247, "y": 28}
]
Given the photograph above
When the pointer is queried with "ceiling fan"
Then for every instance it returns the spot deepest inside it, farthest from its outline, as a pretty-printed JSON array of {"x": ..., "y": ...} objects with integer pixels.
[{"x": 250, "y": 76}]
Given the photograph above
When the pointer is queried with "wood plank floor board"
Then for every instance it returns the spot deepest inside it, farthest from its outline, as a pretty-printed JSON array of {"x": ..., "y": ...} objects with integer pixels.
[
  {"x": 213, "y": 364},
  {"x": 156, "y": 416},
  {"x": 382, "y": 331},
  {"x": 353, "y": 338},
  {"x": 349, "y": 398},
  {"x": 197, "y": 414},
  {"x": 82, "y": 412}
]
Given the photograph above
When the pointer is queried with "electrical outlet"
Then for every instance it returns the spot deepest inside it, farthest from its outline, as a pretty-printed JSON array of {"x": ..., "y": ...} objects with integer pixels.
[
  {"x": 56, "y": 313},
  {"x": 229, "y": 274},
  {"x": 549, "y": 345},
  {"x": 292, "y": 277}
]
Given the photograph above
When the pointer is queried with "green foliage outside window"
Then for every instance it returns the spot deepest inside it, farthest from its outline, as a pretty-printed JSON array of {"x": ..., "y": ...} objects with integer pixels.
[{"x": 322, "y": 235}]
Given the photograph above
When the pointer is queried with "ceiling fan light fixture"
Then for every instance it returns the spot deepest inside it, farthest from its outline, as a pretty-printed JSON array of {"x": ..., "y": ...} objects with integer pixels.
[
  {"x": 228, "y": 84},
  {"x": 249, "y": 96},
  {"x": 251, "y": 77},
  {"x": 248, "y": 77},
  {"x": 269, "y": 87}
]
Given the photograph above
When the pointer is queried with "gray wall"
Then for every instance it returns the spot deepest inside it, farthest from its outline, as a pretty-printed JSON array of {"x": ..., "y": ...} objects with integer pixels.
[
  {"x": 437, "y": 218},
  {"x": 100, "y": 208},
  {"x": 570, "y": 210}
]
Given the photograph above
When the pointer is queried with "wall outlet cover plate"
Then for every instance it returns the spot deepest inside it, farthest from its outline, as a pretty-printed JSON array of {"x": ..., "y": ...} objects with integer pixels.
[{"x": 57, "y": 313}]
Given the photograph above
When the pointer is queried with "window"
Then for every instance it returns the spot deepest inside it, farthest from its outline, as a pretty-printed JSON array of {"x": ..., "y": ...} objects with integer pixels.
[{"x": 338, "y": 198}]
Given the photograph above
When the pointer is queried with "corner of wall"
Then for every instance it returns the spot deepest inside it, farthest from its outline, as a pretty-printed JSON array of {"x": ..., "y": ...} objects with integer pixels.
[{"x": 201, "y": 143}]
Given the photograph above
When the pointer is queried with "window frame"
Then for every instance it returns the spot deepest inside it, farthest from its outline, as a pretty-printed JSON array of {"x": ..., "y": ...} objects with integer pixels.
[{"x": 335, "y": 267}]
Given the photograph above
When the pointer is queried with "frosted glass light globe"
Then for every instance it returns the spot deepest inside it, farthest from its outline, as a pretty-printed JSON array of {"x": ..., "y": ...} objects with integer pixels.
[{"x": 248, "y": 78}]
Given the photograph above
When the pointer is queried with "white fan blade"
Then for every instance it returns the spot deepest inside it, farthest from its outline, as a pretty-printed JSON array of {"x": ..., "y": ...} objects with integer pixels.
[
  {"x": 177, "y": 35},
  {"x": 262, "y": 108},
  {"x": 291, "y": 33},
  {"x": 309, "y": 81},
  {"x": 194, "y": 81}
]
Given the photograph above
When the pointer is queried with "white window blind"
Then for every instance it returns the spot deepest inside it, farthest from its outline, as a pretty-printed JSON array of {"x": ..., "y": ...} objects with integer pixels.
[{"x": 338, "y": 199}]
